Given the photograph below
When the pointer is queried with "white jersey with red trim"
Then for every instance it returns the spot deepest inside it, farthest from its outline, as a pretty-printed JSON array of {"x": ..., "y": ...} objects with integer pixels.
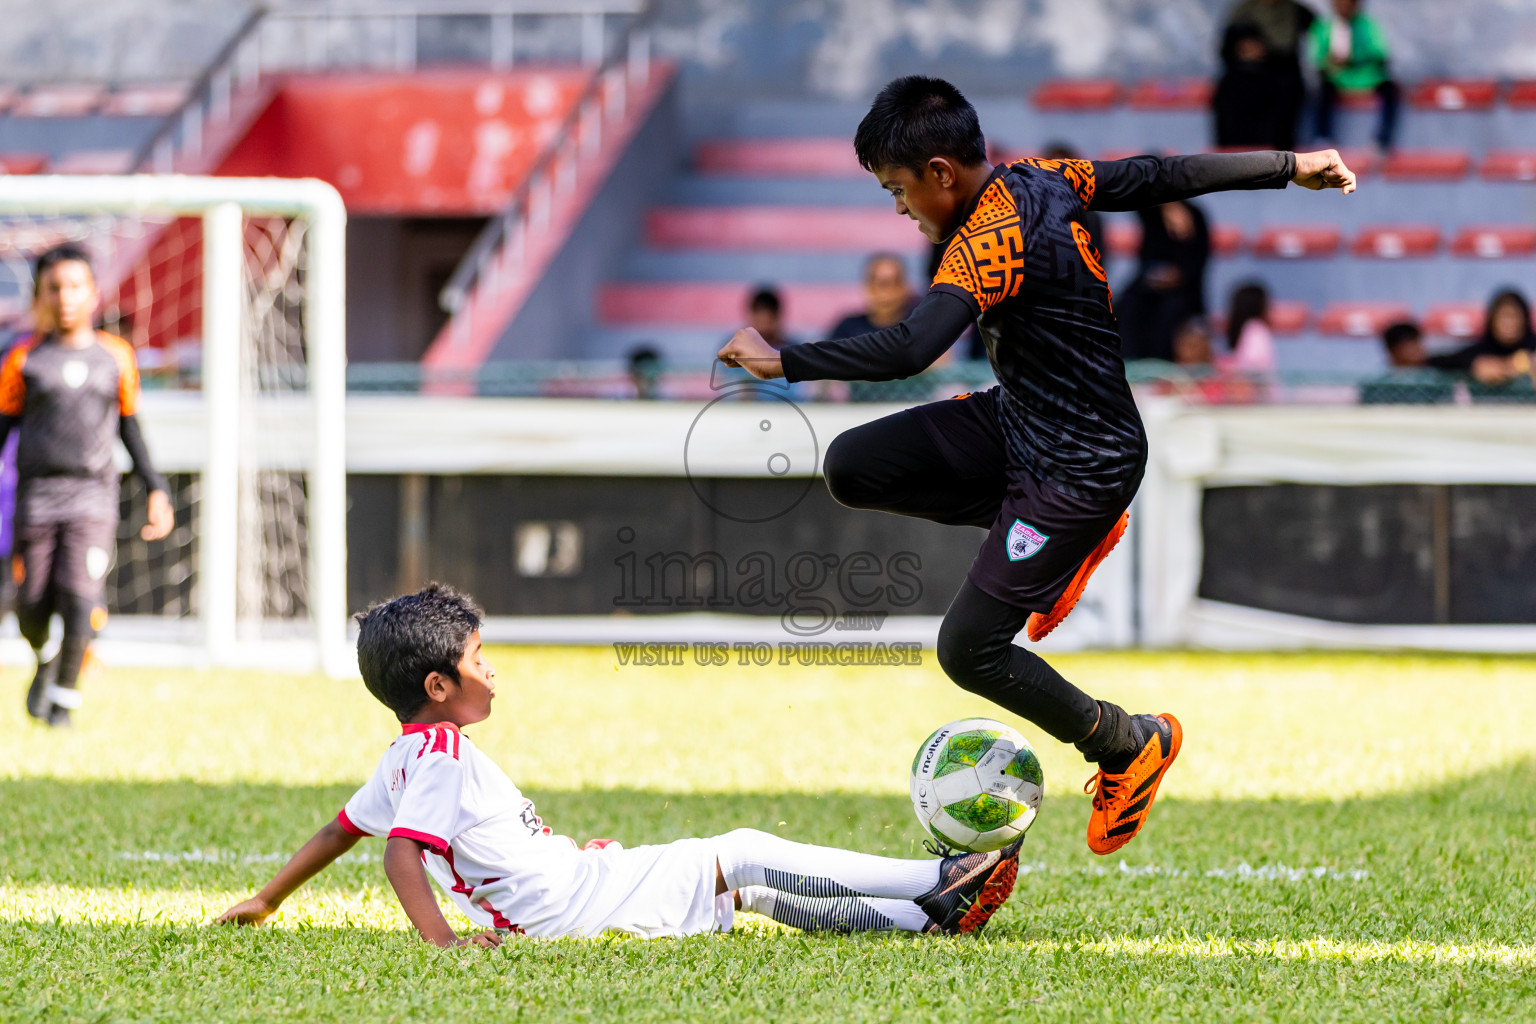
[{"x": 503, "y": 867}]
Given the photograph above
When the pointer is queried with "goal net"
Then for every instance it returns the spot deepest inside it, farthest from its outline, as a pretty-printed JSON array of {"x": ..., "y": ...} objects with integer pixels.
[{"x": 231, "y": 292}]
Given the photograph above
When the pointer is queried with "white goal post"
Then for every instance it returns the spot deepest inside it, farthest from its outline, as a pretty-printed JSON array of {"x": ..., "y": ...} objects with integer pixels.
[{"x": 271, "y": 278}]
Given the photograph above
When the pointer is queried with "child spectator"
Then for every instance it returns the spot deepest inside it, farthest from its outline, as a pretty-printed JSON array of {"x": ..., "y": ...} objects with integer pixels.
[
  {"x": 1351, "y": 55},
  {"x": 1404, "y": 342},
  {"x": 1503, "y": 353},
  {"x": 445, "y": 805},
  {"x": 1248, "y": 333}
]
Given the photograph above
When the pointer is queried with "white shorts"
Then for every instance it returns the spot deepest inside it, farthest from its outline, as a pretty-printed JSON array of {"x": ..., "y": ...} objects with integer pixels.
[{"x": 649, "y": 891}]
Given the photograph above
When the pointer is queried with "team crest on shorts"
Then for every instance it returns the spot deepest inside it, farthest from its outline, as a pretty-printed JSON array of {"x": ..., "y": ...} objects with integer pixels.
[{"x": 1024, "y": 540}]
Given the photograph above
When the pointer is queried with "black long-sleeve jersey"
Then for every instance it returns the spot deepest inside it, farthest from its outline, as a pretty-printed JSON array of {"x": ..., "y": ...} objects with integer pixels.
[{"x": 1026, "y": 270}]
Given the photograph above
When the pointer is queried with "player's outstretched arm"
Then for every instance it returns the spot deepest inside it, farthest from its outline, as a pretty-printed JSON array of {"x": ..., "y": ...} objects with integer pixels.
[
  {"x": 1139, "y": 182},
  {"x": 402, "y": 866},
  {"x": 895, "y": 352},
  {"x": 313, "y": 857}
]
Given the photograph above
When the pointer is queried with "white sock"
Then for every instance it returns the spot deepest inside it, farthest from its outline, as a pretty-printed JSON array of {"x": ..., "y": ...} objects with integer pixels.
[
  {"x": 748, "y": 857},
  {"x": 839, "y": 914}
]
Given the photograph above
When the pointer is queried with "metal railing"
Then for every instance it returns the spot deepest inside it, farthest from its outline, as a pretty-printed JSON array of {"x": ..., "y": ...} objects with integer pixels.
[
  {"x": 384, "y": 38},
  {"x": 498, "y": 253}
]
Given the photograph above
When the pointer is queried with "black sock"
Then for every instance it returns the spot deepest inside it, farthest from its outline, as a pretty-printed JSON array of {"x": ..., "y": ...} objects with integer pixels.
[{"x": 1116, "y": 741}]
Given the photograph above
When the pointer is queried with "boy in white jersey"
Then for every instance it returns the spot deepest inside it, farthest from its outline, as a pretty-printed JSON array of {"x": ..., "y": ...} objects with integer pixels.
[{"x": 444, "y": 804}]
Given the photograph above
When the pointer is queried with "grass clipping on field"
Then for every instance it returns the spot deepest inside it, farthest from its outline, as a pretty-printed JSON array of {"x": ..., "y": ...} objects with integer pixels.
[{"x": 1344, "y": 836}]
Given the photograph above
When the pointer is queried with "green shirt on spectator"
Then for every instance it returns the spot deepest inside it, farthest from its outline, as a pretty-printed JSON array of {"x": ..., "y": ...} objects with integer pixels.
[{"x": 1367, "y": 64}]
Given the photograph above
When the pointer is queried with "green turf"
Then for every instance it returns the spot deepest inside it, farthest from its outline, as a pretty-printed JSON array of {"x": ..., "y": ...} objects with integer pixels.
[{"x": 1345, "y": 838}]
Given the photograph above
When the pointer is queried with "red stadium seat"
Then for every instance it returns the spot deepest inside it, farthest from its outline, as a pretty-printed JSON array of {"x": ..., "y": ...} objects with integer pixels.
[
  {"x": 1509, "y": 165},
  {"x": 1361, "y": 319},
  {"x": 1124, "y": 238},
  {"x": 1358, "y": 100},
  {"x": 155, "y": 100},
  {"x": 1521, "y": 95},
  {"x": 1286, "y": 316},
  {"x": 9, "y": 94},
  {"x": 1172, "y": 94},
  {"x": 23, "y": 163},
  {"x": 1297, "y": 241},
  {"x": 1226, "y": 239},
  {"x": 1454, "y": 320},
  {"x": 60, "y": 101},
  {"x": 1427, "y": 164},
  {"x": 1395, "y": 241},
  {"x": 723, "y": 305},
  {"x": 837, "y": 229},
  {"x": 1077, "y": 94},
  {"x": 795, "y": 158},
  {"x": 1494, "y": 241},
  {"x": 95, "y": 161},
  {"x": 1452, "y": 94}
]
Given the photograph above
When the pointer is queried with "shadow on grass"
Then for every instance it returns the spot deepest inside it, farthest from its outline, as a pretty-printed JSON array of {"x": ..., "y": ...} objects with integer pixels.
[{"x": 1456, "y": 862}]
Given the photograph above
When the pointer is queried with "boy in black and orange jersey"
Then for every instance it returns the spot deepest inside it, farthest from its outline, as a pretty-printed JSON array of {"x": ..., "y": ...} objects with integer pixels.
[
  {"x": 1048, "y": 460},
  {"x": 73, "y": 392}
]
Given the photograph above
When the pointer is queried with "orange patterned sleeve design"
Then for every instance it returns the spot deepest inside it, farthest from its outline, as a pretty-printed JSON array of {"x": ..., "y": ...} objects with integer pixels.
[
  {"x": 13, "y": 387},
  {"x": 1079, "y": 173},
  {"x": 127, "y": 372},
  {"x": 985, "y": 259}
]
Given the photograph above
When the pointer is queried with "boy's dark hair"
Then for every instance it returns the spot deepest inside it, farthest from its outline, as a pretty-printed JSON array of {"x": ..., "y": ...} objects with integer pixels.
[
  {"x": 66, "y": 253},
  {"x": 404, "y": 640},
  {"x": 915, "y": 119},
  {"x": 1400, "y": 333},
  {"x": 766, "y": 299}
]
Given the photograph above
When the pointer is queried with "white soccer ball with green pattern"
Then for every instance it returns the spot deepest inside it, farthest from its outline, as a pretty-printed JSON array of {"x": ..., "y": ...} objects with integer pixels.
[{"x": 976, "y": 784}]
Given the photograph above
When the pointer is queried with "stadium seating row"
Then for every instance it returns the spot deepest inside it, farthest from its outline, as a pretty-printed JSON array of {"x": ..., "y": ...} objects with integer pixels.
[
  {"x": 816, "y": 228},
  {"x": 1195, "y": 94},
  {"x": 81, "y": 161},
  {"x": 816, "y": 306},
  {"x": 833, "y": 158},
  {"x": 85, "y": 99}
]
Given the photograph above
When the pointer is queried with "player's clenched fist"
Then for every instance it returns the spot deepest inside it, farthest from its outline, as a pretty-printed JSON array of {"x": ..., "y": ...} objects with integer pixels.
[
  {"x": 1324, "y": 169},
  {"x": 748, "y": 350}
]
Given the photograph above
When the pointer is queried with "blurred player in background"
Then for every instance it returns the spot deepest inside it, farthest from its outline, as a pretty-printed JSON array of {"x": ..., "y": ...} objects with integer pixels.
[
  {"x": 1048, "y": 460},
  {"x": 73, "y": 391}
]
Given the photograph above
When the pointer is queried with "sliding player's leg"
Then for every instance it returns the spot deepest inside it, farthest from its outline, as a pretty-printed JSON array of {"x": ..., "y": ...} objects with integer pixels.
[
  {"x": 32, "y": 570},
  {"x": 895, "y": 464},
  {"x": 842, "y": 914},
  {"x": 1034, "y": 554},
  {"x": 954, "y": 894}
]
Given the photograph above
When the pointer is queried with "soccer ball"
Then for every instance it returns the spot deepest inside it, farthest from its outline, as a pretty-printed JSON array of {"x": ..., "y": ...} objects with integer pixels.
[{"x": 976, "y": 784}]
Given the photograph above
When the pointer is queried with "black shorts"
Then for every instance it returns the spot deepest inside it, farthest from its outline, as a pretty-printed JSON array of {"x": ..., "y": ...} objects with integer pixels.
[
  {"x": 69, "y": 557},
  {"x": 1040, "y": 533}
]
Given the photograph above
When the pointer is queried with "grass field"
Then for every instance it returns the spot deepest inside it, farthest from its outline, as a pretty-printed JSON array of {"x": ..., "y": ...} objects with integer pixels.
[{"x": 1344, "y": 838}]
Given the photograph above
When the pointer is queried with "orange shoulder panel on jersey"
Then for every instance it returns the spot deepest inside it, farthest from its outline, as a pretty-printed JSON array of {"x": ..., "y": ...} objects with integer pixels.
[
  {"x": 985, "y": 259},
  {"x": 13, "y": 387},
  {"x": 1079, "y": 173},
  {"x": 127, "y": 372}
]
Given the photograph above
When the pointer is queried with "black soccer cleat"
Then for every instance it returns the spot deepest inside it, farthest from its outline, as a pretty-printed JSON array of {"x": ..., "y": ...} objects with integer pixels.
[
  {"x": 971, "y": 888},
  {"x": 38, "y": 704}
]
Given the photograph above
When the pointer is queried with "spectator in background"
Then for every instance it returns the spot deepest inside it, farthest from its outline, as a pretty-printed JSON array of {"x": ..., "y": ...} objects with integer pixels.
[
  {"x": 888, "y": 297},
  {"x": 1261, "y": 91},
  {"x": 1169, "y": 287},
  {"x": 1248, "y": 332},
  {"x": 765, "y": 314},
  {"x": 1404, "y": 342},
  {"x": 1503, "y": 353},
  {"x": 1350, "y": 52},
  {"x": 1192, "y": 344},
  {"x": 645, "y": 371}
]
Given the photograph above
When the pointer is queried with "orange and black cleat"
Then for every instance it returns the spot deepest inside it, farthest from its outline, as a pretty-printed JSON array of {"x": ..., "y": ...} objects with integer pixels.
[
  {"x": 1121, "y": 801},
  {"x": 1039, "y": 623}
]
